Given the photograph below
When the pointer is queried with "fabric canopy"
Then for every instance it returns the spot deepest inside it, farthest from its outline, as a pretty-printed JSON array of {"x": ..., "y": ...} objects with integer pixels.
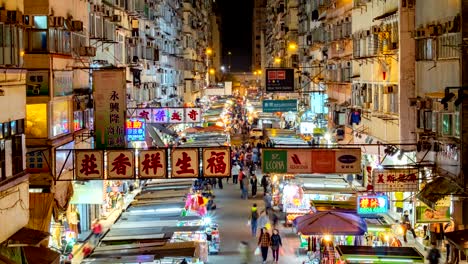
[
  {"x": 438, "y": 189},
  {"x": 331, "y": 223}
]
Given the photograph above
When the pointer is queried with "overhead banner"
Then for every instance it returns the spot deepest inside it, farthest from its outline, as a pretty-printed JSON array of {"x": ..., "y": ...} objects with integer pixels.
[
  {"x": 152, "y": 164},
  {"x": 395, "y": 180},
  {"x": 185, "y": 163},
  {"x": 279, "y": 80},
  {"x": 273, "y": 106},
  {"x": 343, "y": 161},
  {"x": 89, "y": 164},
  {"x": 216, "y": 162},
  {"x": 109, "y": 92},
  {"x": 120, "y": 164},
  {"x": 167, "y": 115}
]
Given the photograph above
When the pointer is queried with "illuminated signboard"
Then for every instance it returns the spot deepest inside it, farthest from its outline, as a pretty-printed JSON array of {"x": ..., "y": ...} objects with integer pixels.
[
  {"x": 377, "y": 204},
  {"x": 135, "y": 129}
]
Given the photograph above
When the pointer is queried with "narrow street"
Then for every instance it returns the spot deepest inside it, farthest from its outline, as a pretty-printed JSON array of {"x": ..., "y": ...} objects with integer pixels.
[{"x": 232, "y": 215}]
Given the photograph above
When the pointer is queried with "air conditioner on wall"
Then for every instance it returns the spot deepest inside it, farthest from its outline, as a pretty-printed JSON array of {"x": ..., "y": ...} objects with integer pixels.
[
  {"x": 77, "y": 25},
  {"x": 87, "y": 51}
]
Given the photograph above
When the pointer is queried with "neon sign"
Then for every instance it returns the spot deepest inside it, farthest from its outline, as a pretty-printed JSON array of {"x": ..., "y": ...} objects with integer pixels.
[
  {"x": 135, "y": 129},
  {"x": 376, "y": 204}
]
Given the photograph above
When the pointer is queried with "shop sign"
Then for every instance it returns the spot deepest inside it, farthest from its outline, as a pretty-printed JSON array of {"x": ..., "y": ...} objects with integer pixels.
[
  {"x": 160, "y": 115},
  {"x": 89, "y": 164},
  {"x": 279, "y": 80},
  {"x": 135, "y": 129},
  {"x": 425, "y": 214},
  {"x": 176, "y": 115},
  {"x": 299, "y": 161},
  {"x": 152, "y": 164},
  {"x": 377, "y": 204},
  {"x": 312, "y": 160},
  {"x": 37, "y": 83},
  {"x": 274, "y": 161},
  {"x": 63, "y": 83},
  {"x": 120, "y": 164},
  {"x": 192, "y": 115},
  {"x": 36, "y": 160},
  {"x": 273, "y": 106},
  {"x": 216, "y": 162},
  {"x": 185, "y": 163},
  {"x": 348, "y": 160},
  {"x": 398, "y": 180},
  {"x": 109, "y": 88},
  {"x": 167, "y": 115}
]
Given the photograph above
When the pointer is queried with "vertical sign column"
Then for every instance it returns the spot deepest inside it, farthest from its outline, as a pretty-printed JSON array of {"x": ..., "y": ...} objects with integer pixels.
[{"x": 110, "y": 104}]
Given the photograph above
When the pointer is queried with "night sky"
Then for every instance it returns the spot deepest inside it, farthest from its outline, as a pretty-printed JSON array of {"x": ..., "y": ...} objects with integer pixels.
[{"x": 236, "y": 33}]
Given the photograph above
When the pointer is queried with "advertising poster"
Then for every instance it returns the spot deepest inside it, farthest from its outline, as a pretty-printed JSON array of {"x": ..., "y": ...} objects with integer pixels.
[{"x": 425, "y": 214}]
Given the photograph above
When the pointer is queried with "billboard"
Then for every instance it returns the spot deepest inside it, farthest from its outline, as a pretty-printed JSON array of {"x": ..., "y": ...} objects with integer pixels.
[
  {"x": 306, "y": 160},
  {"x": 279, "y": 80},
  {"x": 109, "y": 93}
]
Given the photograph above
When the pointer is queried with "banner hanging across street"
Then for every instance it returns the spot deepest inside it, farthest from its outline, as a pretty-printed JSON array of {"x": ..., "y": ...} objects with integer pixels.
[
  {"x": 306, "y": 160},
  {"x": 152, "y": 163},
  {"x": 166, "y": 115}
]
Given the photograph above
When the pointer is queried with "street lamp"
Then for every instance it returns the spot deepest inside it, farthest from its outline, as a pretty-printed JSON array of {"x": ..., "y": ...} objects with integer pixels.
[
  {"x": 292, "y": 46},
  {"x": 212, "y": 71},
  {"x": 277, "y": 60},
  {"x": 209, "y": 51}
]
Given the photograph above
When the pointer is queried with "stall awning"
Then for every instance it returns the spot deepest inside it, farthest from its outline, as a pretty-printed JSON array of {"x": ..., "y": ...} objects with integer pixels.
[
  {"x": 438, "y": 189},
  {"x": 41, "y": 255},
  {"x": 27, "y": 237},
  {"x": 366, "y": 254},
  {"x": 459, "y": 239},
  {"x": 182, "y": 249}
]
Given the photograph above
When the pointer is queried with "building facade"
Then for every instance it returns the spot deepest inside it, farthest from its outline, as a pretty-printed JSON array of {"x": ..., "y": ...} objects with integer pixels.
[{"x": 14, "y": 185}]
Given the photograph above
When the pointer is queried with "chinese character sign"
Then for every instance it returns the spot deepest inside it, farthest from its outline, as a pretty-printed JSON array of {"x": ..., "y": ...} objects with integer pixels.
[
  {"x": 184, "y": 163},
  {"x": 216, "y": 162},
  {"x": 160, "y": 115},
  {"x": 152, "y": 164},
  {"x": 176, "y": 115},
  {"x": 144, "y": 113},
  {"x": 135, "y": 129},
  {"x": 110, "y": 100},
  {"x": 89, "y": 164},
  {"x": 398, "y": 180},
  {"x": 192, "y": 115},
  {"x": 372, "y": 204},
  {"x": 120, "y": 164}
]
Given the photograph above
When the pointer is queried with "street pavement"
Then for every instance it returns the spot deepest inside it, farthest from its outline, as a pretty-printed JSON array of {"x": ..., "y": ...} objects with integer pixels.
[{"x": 232, "y": 214}]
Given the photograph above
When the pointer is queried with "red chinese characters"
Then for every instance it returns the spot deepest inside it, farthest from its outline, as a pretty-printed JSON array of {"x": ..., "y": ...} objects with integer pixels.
[
  {"x": 216, "y": 162},
  {"x": 192, "y": 114},
  {"x": 120, "y": 164},
  {"x": 89, "y": 164},
  {"x": 152, "y": 164},
  {"x": 395, "y": 180},
  {"x": 185, "y": 163}
]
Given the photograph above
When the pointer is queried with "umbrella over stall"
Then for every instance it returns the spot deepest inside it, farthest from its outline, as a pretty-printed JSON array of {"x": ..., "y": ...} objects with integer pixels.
[{"x": 331, "y": 223}]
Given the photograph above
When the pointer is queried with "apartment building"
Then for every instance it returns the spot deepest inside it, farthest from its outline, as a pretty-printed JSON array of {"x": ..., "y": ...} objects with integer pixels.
[{"x": 258, "y": 28}]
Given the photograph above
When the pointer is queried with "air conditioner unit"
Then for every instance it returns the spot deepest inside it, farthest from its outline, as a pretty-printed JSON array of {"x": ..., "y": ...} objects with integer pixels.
[
  {"x": 28, "y": 21},
  {"x": 428, "y": 104},
  {"x": 420, "y": 104},
  {"x": 11, "y": 17},
  {"x": 87, "y": 51},
  {"x": 107, "y": 12},
  {"x": 56, "y": 22},
  {"x": 116, "y": 18},
  {"x": 77, "y": 25},
  {"x": 133, "y": 41},
  {"x": 375, "y": 29}
]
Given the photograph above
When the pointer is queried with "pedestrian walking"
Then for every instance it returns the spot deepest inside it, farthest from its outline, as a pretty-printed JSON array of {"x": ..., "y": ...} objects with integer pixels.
[
  {"x": 253, "y": 184},
  {"x": 245, "y": 187},
  {"x": 276, "y": 244},
  {"x": 264, "y": 242},
  {"x": 241, "y": 176},
  {"x": 434, "y": 254},
  {"x": 254, "y": 219},
  {"x": 96, "y": 229},
  {"x": 264, "y": 183},
  {"x": 220, "y": 183},
  {"x": 268, "y": 201},
  {"x": 235, "y": 172},
  {"x": 406, "y": 225}
]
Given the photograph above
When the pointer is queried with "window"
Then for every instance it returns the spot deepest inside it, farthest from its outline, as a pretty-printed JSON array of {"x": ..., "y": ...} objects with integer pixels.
[
  {"x": 36, "y": 120},
  {"x": 372, "y": 45},
  {"x": 20, "y": 126},
  {"x": 425, "y": 49},
  {"x": 6, "y": 130},
  {"x": 447, "y": 124},
  {"x": 11, "y": 43},
  {"x": 40, "y": 22},
  {"x": 424, "y": 120},
  {"x": 17, "y": 154},
  {"x": 375, "y": 91},
  {"x": 456, "y": 125},
  {"x": 60, "y": 118},
  {"x": 13, "y": 127},
  {"x": 2, "y": 160}
]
